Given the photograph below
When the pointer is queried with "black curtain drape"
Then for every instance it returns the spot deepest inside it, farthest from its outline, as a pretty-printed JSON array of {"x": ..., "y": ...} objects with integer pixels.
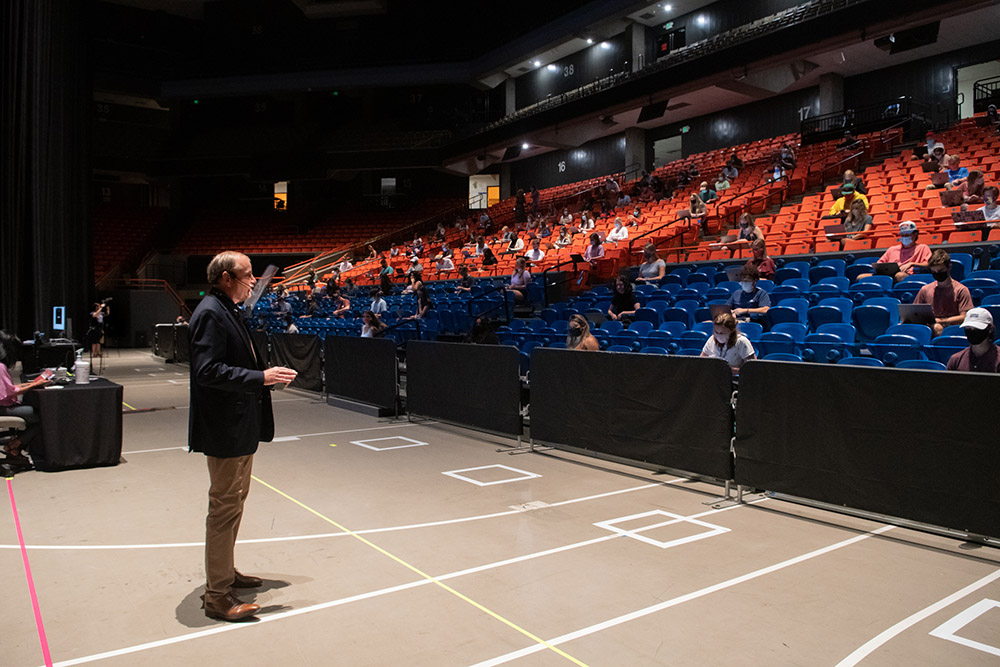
[{"x": 45, "y": 246}]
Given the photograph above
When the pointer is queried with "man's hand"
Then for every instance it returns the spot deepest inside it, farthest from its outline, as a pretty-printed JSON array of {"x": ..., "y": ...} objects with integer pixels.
[{"x": 278, "y": 375}]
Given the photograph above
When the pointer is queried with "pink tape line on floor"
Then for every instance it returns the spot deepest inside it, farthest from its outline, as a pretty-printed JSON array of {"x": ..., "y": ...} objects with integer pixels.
[{"x": 27, "y": 573}]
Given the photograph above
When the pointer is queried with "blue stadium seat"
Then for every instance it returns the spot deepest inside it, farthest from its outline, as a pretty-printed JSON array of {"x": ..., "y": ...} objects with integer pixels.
[
  {"x": 819, "y": 272},
  {"x": 705, "y": 327},
  {"x": 961, "y": 265},
  {"x": 824, "y": 348},
  {"x": 619, "y": 348},
  {"x": 891, "y": 348},
  {"x": 796, "y": 330},
  {"x": 942, "y": 348},
  {"x": 921, "y": 364},
  {"x": 782, "y": 356},
  {"x": 783, "y": 274},
  {"x": 641, "y": 328},
  {"x": 653, "y": 350},
  {"x": 691, "y": 339},
  {"x": 673, "y": 328},
  {"x": 919, "y": 331},
  {"x": 628, "y": 338},
  {"x": 774, "y": 342},
  {"x": 752, "y": 330},
  {"x": 860, "y": 361},
  {"x": 954, "y": 330},
  {"x": 845, "y": 332},
  {"x": 871, "y": 322},
  {"x": 790, "y": 310},
  {"x": 782, "y": 292},
  {"x": 861, "y": 292},
  {"x": 612, "y": 326}
]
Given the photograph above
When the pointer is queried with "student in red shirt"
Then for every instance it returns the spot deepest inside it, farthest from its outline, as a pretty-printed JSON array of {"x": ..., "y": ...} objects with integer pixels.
[
  {"x": 982, "y": 355},
  {"x": 949, "y": 298},
  {"x": 907, "y": 253}
]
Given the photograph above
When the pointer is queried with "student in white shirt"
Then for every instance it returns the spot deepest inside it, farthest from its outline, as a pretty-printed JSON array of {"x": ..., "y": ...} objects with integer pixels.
[
  {"x": 536, "y": 254},
  {"x": 619, "y": 233}
]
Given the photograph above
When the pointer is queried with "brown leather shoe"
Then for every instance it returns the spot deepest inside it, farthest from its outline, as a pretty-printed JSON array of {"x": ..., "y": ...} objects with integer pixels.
[
  {"x": 230, "y": 609},
  {"x": 246, "y": 581}
]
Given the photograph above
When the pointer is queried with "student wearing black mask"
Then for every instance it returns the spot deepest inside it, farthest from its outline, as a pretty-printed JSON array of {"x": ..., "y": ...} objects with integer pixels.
[
  {"x": 950, "y": 299},
  {"x": 578, "y": 335},
  {"x": 982, "y": 355}
]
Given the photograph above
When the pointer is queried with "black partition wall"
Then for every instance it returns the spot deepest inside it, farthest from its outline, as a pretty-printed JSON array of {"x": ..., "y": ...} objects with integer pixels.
[
  {"x": 362, "y": 369},
  {"x": 300, "y": 352},
  {"x": 918, "y": 445},
  {"x": 473, "y": 385},
  {"x": 662, "y": 410}
]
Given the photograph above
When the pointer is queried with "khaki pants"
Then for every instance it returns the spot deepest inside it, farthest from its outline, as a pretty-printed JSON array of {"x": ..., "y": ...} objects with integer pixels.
[{"x": 230, "y": 483}]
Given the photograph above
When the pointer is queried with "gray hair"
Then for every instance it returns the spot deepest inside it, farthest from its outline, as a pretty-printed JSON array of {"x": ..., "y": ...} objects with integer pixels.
[{"x": 223, "y": 262}]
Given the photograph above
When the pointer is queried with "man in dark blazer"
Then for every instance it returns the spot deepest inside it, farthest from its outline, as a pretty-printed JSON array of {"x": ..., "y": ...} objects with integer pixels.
[{"x": 230, "y": 413}]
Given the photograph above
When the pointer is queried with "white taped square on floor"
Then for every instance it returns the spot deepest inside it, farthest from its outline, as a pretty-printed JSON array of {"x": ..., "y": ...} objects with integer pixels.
[
  {"x": 521, "y": 475},
  {"x": 711, "y": 530},
  {"x": 407, "y": 442},
  {"x": 949, "y": 629}
]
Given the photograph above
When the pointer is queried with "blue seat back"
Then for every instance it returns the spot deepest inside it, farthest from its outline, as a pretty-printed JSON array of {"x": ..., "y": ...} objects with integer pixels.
[
  {"x": 782, "y": 356},
  {"x": 796, "y": 330},
  {"x": 921, "y": 364},
  {"x": 919, "y": 331},
  {"x": 641, "y": 328},
  {"x": 861, "y": 361},
  {"x": 871, "y": 322},
  {"x": 752, "y": 330},
  {"x": 774, "y": 342}
]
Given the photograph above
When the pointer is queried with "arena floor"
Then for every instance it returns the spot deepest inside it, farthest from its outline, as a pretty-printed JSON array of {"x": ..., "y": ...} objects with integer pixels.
[{"x": 419, "y": 544}]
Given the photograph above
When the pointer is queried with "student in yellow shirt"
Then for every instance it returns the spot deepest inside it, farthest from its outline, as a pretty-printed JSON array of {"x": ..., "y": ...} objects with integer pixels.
[{"x": 848, "y": 196}]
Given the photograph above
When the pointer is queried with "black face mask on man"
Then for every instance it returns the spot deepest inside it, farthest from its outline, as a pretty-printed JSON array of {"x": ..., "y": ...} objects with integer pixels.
[
  {"x": 940, "y": 276},
  {"x": 977, "y": 336}
]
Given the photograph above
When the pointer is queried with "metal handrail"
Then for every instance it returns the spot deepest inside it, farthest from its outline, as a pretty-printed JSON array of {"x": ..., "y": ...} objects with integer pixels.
[
  {"x": 545, "y": 280},
  {"x": 398, "y": 325},
  {"x": 491, "y": 290},
  {"x": 156, "y": 283}
]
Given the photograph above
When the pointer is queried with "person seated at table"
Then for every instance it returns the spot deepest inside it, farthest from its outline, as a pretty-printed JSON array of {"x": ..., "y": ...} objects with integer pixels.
[
  {"x": 10, "y": 403},
  {"x": 982, "y": 355},
  {"x": 618, "y": 233},
  {"x": 623, "y": 303},
  {"x": 536, "y": 254},
  {"x": 749, "y": 301},
  {"x": 652, "y": 268},
  {"x": 759, "y": 260},
  {"x": 859, "y": 185},
  {"x": 371, "y": 325},
  {"x": 907, "y": 253},
  {"x": 949, "y": 299},
  {"x": 341, "y": 304},
  {"x": 728, "y": 343},
  {"x": 578, "y": 336},
  {"x": 858, "y": 223},
  {"x": 520, "y": 278},
  {"x": 847, "y": 196}
]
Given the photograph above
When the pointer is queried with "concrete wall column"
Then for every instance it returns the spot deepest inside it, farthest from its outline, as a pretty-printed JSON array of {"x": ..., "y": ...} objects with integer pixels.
[
  {"x": 831, "y": 93},
  {"x": 510, "y": 100},
  {"x": 636, "y": 153},
  {"x": 635, "y": 35}
]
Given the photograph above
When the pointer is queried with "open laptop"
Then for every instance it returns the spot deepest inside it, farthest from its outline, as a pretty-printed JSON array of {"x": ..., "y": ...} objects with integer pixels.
[
  {"x": 724, "y": 240},
  {"x": 577, "y": 257},
  {"x": 916, "y": 313},
  {"x": 952, "y": 198},
  {"x": 968, "y": 217},
  {"x": 939, "y": 178},
  {"x": 930, "y": 166},
  {"x": 733, "y": 272},
  {"x": 830, "y": 230},
  {"x": 886, "y": 268}
]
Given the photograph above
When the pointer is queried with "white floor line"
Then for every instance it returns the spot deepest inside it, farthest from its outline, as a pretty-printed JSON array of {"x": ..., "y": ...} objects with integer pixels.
[
  {"x": 354, "y": 598},
  {"x": 359, "y": 430},
  {"x": 869, "y": 647},
  {"x": 146, "y": 451},
  {"x": 610, "y": 623},
  {"x": 318, "y": 536}
]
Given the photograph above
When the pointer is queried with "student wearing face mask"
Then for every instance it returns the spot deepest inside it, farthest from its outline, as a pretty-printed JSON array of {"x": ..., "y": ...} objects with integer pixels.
[
  {"x": 728, "y": 343},
  {"x": 760, "y": 261},
  {"x": 907, "y": 253},
  {"x": 949, "y": 299},
  {"x": 990, "y": 209},
  {"x": 618, "y": 233},
  {"x": 982, "y": 355},
  {"x": 749, "y": 231},
  {"x": 623, "y": 303},
  {"x": 578, "y": 336},
  {"x": 749, "y": 300}
]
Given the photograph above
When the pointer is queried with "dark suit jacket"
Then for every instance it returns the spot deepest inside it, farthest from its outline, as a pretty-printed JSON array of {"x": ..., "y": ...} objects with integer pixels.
[{"x": 230, "y": 406}]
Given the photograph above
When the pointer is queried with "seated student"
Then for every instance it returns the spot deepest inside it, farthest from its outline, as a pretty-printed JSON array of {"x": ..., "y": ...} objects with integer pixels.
[
  {"x": 424, "y": 304},
  {"x": 515, "y": 246},
  {"x": 652, "y": 268},
  {"x": 416, "y": 282},
  {"x": 765, "y": 265},
  {"x": 536, "y": 254},
  {"x": 950, "y": 299},
  {"x": 735, "y": 160},
  {"x": 566, "y": 218},
  {"x": 444, "y": 264},
  {"x": 385, "y": 274},
  {"x": 749, "y": 231},
  {"x": 415, "y": 267},
  {"x": 848, "y": 195},
  {"x": 730, "y": 171},
  {"x": 564, "y": 238},
  {"x": 991, "y": 205},
  {"x": 578, "y": 336},
  {"x": 722, "y": 183},
  {"x": 907, "y": 253},
  {"x": 378, "y": 305},
  {"x": 706, "y": 193},
  {"x": 341, "y": 305},
  {"x": 937, "y": 154},
  {"x": 859, "y": 185},
  {"x": 545, "y": 232},
  {"x": 697, "y": 209},
  {"x": 595, "y": 250},
  {"x": 489, "y": 259},
  {"x": 635, "y": 217},
  {"x": 394, "y": 251},
  {"x": 587, "y": 221},
  {"x": 749, "y": 301},
  {"x": 482, "y": 333},
  {"x": 519, "y": 280},
  {"x": 728, "y": 343},
  {"x": 850, "y": 141},
  {"x": 982, "y": 355},
  {"x": 290, "y": 327},
  {"x": 371, "y": 325},
  {"x": 618, "y": 233},
  {"x": 972, "y": 188},
  {"x": 956, "y": 172},
  {"x": 345, "y": 264},
  {"x": 857, "y": 223},
  {"x": 477, "y": 248},
  {"x": 10, "y": 403},
  {"x": 623, "y": 303}
]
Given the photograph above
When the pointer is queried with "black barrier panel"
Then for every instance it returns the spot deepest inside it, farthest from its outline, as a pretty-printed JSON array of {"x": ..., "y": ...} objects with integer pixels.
[
  {"x": 362, "y": 369},
  {"x": 917, "y": 445},
  {"x": 165, "y": 341},
  {"x": 182, "y": 340},
  {"x": 262, "y": 346},
  {"x": 669, "y": 411},
  {"x": 474, "y": 385},
  {"x": 299, "y": 352}
]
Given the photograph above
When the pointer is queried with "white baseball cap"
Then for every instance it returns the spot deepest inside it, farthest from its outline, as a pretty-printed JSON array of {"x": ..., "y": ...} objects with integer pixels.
[
  {"x": 907, "y": 227},
  {"x": 977, "y": 318}
]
